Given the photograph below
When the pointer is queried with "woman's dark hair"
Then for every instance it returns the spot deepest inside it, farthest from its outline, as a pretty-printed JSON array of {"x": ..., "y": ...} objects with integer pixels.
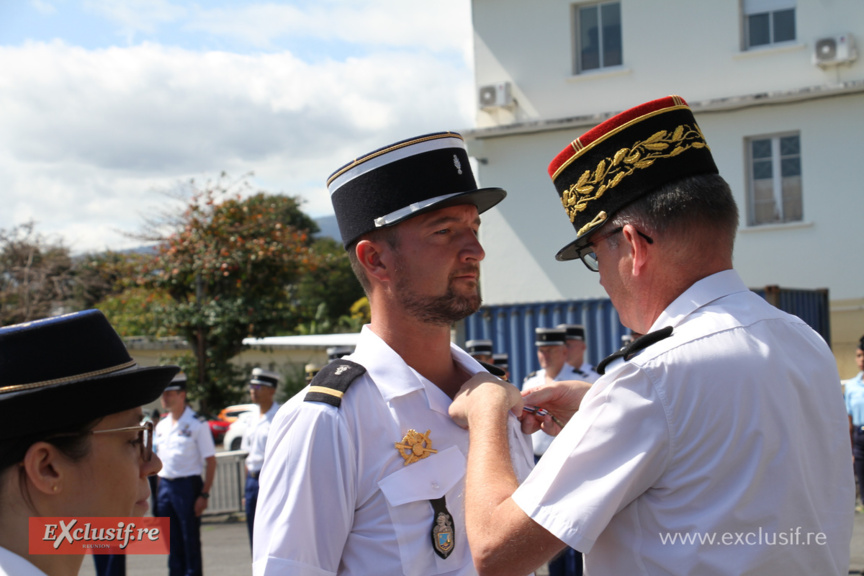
[
  {"x": 74, "y": 444},
  {"x": 861, "y": 343}
]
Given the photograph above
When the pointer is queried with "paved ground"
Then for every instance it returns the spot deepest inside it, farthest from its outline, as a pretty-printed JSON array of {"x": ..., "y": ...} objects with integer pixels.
[{"x": 226, "y": 551}]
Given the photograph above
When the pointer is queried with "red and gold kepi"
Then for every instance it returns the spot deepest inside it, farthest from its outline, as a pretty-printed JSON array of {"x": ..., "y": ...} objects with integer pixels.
[{"x": 624, "y": 158}]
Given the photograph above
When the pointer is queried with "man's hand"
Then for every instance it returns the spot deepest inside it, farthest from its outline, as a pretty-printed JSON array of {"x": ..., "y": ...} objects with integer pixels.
[
  {"x": 200, "y": 505},
  {"x": 484, "y": 391},
  {"x": 560, "y": 399}
]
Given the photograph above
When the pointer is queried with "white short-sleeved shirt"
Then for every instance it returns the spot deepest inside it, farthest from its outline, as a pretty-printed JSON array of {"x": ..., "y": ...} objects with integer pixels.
[
  {"x": 707, "y": 451},
  {"x": 183, "y": 446},
  {"x": 540, "y": 440},
  {"x": 585, "y": 373},
  {"x": 336, "y": 496},
  {"x": 255, "y": 437},
  {"x": 13, "y": 565}
]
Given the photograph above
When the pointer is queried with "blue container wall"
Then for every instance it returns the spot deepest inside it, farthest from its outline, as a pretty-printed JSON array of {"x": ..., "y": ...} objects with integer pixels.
[{"x": 511, "y": 327}]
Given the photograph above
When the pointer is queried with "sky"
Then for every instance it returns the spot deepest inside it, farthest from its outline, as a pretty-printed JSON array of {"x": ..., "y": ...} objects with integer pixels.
[{"x": 108, "y": 105}]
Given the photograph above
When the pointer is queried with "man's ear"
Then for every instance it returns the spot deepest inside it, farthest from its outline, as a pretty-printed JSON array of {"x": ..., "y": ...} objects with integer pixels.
[
  {"x": 44, "y": 467},
  {"x": 372, "y": 256},
  {"x": 638, "y": 248}
]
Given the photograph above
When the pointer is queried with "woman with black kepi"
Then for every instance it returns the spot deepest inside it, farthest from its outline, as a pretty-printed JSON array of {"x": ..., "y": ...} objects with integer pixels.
[{"x": 71, "y": 439}]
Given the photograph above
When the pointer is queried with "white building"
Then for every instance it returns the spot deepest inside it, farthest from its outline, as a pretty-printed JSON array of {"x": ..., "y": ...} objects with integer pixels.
[{"x": 776, "y": 86}]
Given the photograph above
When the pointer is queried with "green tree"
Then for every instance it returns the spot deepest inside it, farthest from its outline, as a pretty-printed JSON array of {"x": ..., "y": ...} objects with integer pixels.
[
  {"x": 35, "y": 275},
  {"x": 228, "y": 263},
  {"x": 325, "y": 294}
]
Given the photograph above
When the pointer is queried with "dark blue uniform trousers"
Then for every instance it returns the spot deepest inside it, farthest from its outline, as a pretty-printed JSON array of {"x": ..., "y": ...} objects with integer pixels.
[
  {"x": 251, "y": 501},
  {"x": 177, "y": 501},
  {"x": 110, "y": 564}
]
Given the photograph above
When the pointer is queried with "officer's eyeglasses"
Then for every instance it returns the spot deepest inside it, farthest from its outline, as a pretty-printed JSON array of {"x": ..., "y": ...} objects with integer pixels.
[
  {"x": 589, "y": 258},
  {"x": 144, "y": 441}
]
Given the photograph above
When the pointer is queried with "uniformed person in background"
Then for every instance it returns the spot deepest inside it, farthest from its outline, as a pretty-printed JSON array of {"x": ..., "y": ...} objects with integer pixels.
[
  {"x": 502, "y": 362},
  {"x": 577, "y": 368},
  {"x": 336, "y": 352},
  {"x": 480, "y": 350},
  {"x": 551, "y": 344},
  {"x": 185, "y": 445},
  {"x": 311, "y": 370},
  {"x": 262, "y": 389},
  {"x": 364, "y": 471}
]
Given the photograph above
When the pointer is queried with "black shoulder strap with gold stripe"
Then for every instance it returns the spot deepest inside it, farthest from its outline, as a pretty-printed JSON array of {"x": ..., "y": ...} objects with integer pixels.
[{"x": 330, "y": 384}]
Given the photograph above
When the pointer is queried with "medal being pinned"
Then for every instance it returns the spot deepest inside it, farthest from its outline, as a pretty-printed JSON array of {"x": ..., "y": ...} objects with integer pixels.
[{"x": 415, "y": 446}]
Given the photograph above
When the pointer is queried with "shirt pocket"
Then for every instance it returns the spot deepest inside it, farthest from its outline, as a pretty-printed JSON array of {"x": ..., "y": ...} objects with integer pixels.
[{"x": 408, "y": 492}]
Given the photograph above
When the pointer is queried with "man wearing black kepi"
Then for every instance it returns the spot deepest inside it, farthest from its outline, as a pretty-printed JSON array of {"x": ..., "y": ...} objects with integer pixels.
[
  {"x": 480, "y": 350},
  {"x": 185, "y": 445},
  {"x": 262, "y": 390},
  {"x": 365, "y": 470},
  {"x": 714, "y": 444},
  {"x": 577, "y": 368}
]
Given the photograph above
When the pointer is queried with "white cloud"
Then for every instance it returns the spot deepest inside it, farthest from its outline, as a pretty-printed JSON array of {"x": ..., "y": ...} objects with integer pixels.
[{"x": 87, "y": 136}]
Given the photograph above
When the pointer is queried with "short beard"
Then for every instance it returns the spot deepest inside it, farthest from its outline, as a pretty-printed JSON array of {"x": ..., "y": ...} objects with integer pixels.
[{"x": 441, "y": 310}]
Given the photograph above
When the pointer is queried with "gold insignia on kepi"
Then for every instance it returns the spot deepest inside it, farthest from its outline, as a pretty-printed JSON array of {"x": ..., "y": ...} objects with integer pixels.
[
  {"x": 415, "y": 446},
  {"x": 624, "y": 158}
]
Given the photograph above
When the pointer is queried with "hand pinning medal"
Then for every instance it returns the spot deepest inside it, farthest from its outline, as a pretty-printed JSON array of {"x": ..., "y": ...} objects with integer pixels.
[{"x": 415, "y": 446}]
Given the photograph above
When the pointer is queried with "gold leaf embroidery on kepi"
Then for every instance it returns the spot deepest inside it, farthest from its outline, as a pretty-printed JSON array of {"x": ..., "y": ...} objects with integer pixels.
[
  {"x": 611, "y": 171},
  {"x": 415, "y": 446}
]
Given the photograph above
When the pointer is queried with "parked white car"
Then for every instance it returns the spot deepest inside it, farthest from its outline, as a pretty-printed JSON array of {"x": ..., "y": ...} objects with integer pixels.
[{"x": 234, "y": 435}]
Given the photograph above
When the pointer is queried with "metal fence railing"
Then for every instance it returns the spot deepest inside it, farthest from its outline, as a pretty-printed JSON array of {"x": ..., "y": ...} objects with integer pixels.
[{"x": 226, "y": 494}]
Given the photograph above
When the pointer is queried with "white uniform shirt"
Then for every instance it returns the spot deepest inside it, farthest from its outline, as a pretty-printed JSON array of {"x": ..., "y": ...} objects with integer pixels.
[
  {"x": 255, "y": 436},
  {"x": 540, "y": 440},
  {"x": 731, "y": 429},
  {"x": 13, "y": 565},
  {"x": 585, "y": 373},
  {"x": 183, "y": 446},
  {"x": 336, "y": 495}
]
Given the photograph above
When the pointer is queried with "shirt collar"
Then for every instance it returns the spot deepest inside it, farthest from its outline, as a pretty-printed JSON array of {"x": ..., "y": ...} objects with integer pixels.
[
  {"x": 394, "y": 378},
  {"x": 699, "y": 294}
]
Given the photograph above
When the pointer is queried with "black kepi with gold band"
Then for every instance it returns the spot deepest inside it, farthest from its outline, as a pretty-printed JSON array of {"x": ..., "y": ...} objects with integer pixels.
[
  {"x": 405, "y": 179},
  {"x": 624, "y": 158},
  {"x": 65, "y": 371}
]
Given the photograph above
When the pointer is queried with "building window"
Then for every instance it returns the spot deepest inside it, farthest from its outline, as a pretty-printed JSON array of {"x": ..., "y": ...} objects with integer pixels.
[
  {"x": 768, "y": 22},
  {"x": 775, "y": 179},
  {"x": 598, "y": 36}
]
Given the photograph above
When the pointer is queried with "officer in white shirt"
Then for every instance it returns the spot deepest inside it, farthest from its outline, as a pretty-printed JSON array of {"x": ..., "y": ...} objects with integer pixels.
[
  {"x": 262, "y": 389},
  {"x": 185, "y": 445},
  {"x": 552, "y": 356},
  {"x": 577, "y": 368},
  {"x": 715, "y": 444},
  {"x": 365, "y": 471}
]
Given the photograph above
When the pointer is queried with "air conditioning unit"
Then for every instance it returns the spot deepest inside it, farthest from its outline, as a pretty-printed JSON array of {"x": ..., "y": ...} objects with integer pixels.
[
  {"x": 495, "y": 96},
  {"x": 834, "y": 50}
]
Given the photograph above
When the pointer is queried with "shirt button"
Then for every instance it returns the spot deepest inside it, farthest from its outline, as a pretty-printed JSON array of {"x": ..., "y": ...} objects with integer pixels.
[{"x": 435, "y": 485}]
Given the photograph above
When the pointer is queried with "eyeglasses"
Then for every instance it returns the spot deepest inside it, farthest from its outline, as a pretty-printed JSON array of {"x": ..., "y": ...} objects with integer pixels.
[
  {"x": 589, "y": 258},
  {"x": 144, "y": 441}
]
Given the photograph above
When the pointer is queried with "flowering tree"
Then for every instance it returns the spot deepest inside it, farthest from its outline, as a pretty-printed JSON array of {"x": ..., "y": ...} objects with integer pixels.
[{"x": 228, "y": 265}]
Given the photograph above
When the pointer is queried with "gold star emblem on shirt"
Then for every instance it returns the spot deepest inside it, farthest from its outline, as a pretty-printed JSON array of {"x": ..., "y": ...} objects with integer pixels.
[{"x": 415, "y": 446}]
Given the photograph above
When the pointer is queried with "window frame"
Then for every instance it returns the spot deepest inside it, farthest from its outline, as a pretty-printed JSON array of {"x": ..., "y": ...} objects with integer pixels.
[
  {"x": 752, "y": 8},
  {"x": 576, "y": 37},
  {"x": 777, "y": 181}
]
